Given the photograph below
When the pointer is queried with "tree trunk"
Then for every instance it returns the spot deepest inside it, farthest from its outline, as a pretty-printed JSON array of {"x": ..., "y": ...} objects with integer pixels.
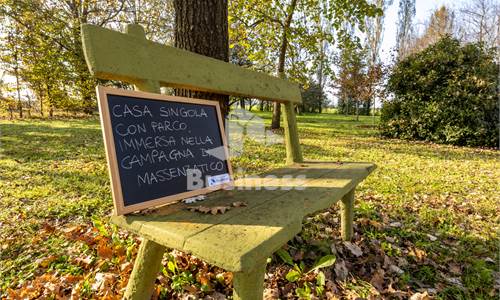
[
  {"x": 201, "y": 27},
  {"x": 50, "y": 101},
  {"x": 320, "y": 74},
  {"x": 357, "y": 110},
  {"x": 275, "y": 124},
  {"x": 29, "y": 104},
  {"x": 41, "y": 101},
  {"x": 251, "y": 103},
  {"x": 18, "y": 88},
  {"x": 11, "y": 112}
]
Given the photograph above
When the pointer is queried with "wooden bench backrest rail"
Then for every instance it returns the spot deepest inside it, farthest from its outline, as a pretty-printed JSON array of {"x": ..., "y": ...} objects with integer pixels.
[{"x": 131, "y": 58}]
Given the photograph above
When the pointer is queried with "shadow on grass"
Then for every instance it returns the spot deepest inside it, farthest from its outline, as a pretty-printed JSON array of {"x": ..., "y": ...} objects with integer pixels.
[
  {"x": 33, "y": 141},
  {"x": 427, "y": 150},
  {"x": 399, "y": 147}
]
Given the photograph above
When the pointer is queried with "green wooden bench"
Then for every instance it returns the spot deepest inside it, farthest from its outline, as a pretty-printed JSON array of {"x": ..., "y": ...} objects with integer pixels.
[{"x": 241, "y": 239}]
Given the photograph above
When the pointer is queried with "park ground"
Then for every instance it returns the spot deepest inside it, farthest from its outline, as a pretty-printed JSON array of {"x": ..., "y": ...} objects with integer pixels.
[{"x": 427, "y": 220}]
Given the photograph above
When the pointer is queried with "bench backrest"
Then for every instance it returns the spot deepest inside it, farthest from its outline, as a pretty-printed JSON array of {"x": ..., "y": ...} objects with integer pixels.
[{"x": 131, "y": 58}]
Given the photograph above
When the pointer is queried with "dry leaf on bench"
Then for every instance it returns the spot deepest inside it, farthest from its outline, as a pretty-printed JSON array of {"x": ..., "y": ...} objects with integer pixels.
[
  {"x": 202, "y": 209},
  {"x": 219, "y": 209},
  {"x": 213, "y": 210}
]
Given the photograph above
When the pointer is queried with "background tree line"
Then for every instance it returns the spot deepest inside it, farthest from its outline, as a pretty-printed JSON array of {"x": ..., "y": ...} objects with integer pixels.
[
  {"x": 41, "y": 44},
  {"x": 41, "y": 48},
  {"x": 328, "y": 47}
]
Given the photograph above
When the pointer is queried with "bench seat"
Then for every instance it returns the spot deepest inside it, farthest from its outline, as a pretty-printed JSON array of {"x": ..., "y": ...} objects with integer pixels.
[{"x": 242, "y": 236}]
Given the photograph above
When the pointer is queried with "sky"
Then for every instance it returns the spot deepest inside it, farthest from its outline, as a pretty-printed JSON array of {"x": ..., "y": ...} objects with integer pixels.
[{"x": 424, "y": 9}]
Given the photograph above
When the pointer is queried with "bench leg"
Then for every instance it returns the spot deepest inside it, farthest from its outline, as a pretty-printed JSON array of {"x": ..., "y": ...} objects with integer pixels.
[
  {"x": 293, "y": 151},
  {"x": 146, "y": 267},
  {"x": 347, "y": 214},
  {"x": 250, "y": 285}
]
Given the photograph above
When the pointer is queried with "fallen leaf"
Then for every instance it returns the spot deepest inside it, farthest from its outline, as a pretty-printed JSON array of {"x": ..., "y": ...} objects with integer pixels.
[
  {"x": 395, "y": 269},
  {"x": 202, "y": 209},
  {"x": 455, "y": 269},
  {"x": 239, "y": 204},
  {"x": 48, "y": 228},
  {"x": 455, "y": 281},
  {"x": 84, "y": 262},
  {"x": 203, "y": 278},
  {"x": 420, "y": 296},
  {"x": 53, "y": 288},
  {"x": 390, "y": 239},
  {"x": 431, "y": 237},
  {"x": 355, "y": 250},
  {"x": 418, "y": 253},
  {"x": 370, "y": 222},
  {"x": 126, "y": 266},
  {"x": 489, "y": 260},
  {"x": 104, "y": 251},
  {"x": 377, "y": 279},
  {"x": 219, "y": 209},
  {"x": 402, "y": 262},
  {"x": 271, "y": 294},
  {"x": 387, "y": 262},
  {"x": 341, "y": 270},
  {"x": 189, "y": 200},
  {"x": 102, "y": 281},
  {"x": 72, "y": 229},
  {"x": 396, "y": 224},
  {"x": 45, "y": 262},
  {"x": 333, "y": 249},
  {"x": 72, "y": 278},
  {"x": 215, "y": 296}
]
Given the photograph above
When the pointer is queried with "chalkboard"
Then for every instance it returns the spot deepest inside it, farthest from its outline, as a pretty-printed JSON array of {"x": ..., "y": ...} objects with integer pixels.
[{"x": 161, "y": 148}]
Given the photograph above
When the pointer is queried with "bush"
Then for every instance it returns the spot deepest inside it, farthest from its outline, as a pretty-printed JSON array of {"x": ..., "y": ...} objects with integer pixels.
[{"x": 446, "y": 93}]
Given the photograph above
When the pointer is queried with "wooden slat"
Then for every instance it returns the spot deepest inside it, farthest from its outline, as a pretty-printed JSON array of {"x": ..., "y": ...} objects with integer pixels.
[
  {"x": 116, "y": 56},
  {"x": 172, "y": 225},
  {"x": 238, "y": 242},
  {"x": 236, "y": 239}
]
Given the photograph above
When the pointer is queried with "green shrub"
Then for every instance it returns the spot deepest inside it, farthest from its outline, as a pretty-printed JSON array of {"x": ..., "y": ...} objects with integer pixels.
[{"x": 446, "y": 93}]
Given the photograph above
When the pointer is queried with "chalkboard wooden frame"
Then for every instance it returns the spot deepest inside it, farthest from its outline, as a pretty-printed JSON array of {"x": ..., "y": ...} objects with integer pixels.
[{"x": 109, "y": 145}]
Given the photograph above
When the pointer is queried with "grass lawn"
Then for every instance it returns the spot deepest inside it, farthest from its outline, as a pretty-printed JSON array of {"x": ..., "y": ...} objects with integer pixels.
[{"x": 427, "y": 219}]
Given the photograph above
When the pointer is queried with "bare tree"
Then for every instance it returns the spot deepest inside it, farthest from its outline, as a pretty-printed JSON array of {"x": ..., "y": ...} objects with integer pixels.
[
  {"x": 480, "y": 21},
  {"x": 440, "y": 24},
  {"x": 375, "y": 30},
  {"x": 374, "y": 37},
  {"x": 405, "y": 26},
  {"x": 275, "y": 123}
]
